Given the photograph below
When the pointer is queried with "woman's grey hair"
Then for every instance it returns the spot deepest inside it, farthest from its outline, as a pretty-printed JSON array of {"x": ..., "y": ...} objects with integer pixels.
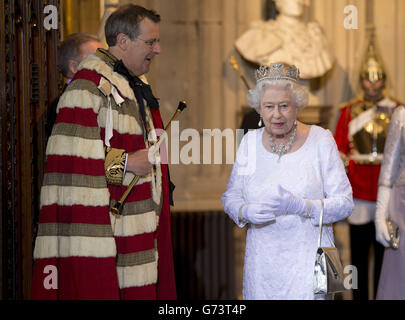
[
  {"x": 126, "y": 20},
  {"x": 299, "y": 94}
]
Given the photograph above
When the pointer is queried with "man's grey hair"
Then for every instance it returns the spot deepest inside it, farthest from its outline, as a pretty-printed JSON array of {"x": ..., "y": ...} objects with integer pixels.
[
  {"x": 298, "y": 93},
  {"x": 70, "y": 49},
  {"x": 126, "y": 20}
]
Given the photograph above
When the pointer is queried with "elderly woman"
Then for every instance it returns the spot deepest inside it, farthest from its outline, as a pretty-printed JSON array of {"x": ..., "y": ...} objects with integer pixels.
[{"x": 281, "y": 174}]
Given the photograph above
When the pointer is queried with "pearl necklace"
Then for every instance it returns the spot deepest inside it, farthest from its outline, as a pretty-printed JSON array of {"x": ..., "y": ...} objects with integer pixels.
[{"x": 283, "y": 149}]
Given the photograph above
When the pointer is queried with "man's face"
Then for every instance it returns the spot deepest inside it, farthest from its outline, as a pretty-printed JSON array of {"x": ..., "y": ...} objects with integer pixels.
[
  {"x": 373, "y": 90},
  {"x": 143, "y": 48}
]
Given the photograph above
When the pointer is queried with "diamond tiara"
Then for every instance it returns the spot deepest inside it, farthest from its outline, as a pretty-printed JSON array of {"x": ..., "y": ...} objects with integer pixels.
[{"x": 277, "y": 71}]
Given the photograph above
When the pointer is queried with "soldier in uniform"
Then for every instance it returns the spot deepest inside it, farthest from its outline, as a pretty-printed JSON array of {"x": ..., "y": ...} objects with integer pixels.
[{"x": 360, "y": 135}]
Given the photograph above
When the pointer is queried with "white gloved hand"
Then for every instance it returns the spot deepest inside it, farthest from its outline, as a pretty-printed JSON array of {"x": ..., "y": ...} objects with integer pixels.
[
  {"x": 286, "y": 202},
  {"x": 381, "y": 230},
  {"x": 257, "y": 213}
]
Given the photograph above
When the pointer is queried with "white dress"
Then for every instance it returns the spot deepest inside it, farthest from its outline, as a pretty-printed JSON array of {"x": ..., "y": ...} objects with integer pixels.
[{"x": 280, "y": 256}]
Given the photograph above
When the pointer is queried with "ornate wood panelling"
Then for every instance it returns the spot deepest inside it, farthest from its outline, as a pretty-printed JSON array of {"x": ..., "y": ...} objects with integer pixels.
[{"x": 28, "y": 83}]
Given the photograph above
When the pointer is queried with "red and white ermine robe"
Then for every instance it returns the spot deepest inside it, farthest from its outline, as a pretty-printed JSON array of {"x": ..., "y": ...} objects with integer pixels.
[{"x": 96, "y": 255}]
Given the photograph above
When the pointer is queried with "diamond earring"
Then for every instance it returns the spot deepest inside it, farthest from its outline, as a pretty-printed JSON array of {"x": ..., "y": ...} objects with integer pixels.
[{"x": 260, "y": 122}]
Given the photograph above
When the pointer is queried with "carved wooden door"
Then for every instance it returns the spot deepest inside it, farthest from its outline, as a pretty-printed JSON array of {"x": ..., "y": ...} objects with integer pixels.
[{"x": 29, "y": 80}]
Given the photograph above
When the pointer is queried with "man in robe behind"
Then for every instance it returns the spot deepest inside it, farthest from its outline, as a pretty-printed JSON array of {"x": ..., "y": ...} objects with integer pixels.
[
  {"x": 107, "y": 108},
  {"x": 75, "y": 48}
]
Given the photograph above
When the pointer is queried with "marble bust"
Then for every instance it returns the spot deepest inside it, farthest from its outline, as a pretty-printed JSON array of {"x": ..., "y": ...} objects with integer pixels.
[{"x": 288, "y": 39}]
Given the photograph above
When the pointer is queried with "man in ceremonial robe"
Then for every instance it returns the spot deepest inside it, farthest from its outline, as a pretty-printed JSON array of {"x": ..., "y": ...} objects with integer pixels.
[{"x": 107, "y": 108}]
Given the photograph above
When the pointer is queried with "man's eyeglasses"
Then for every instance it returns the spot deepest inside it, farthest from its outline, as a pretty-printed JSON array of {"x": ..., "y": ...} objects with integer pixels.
[{"x": 151, "y": 43}]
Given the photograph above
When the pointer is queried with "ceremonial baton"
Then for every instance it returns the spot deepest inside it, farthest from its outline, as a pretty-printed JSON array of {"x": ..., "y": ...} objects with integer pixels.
[{"x": 117, "y": 208}]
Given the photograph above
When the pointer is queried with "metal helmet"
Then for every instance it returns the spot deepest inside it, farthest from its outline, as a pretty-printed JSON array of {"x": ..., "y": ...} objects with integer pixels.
[{"x": 372, "y": 68}]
